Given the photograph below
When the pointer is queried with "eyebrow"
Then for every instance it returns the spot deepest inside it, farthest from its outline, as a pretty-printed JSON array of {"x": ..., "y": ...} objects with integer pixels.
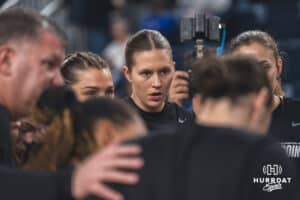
[
  {"x": 264, "y": 61},
  {"x": 96, "y": 87},
  {"x": 91, "y": 87},
  {"x": 165, "y": 67},
  {"x": 110, "y": 87}
]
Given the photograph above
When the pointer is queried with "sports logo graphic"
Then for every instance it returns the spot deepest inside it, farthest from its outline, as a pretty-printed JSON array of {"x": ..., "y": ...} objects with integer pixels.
[{"x": 272, "y": 180}]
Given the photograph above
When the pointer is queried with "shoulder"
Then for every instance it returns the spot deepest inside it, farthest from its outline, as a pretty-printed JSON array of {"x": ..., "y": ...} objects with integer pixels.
[
  {"x": 235, "y": 136},
  {"x": 163, "y": 140},
  {"x": 288, "y": 107},
  {"x": 290, "y": 104},
  {"x": 129, "y": 101}
]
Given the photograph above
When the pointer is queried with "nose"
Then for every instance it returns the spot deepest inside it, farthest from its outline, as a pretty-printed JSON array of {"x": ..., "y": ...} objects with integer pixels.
[
  {"x": 156, "y": 83},
  {"x": 57, "y": 80},
  {"x": 101, "y": 94}
]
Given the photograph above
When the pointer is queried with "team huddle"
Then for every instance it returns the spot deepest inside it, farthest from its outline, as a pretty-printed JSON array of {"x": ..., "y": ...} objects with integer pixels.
[{"x": 66, "y": 135}]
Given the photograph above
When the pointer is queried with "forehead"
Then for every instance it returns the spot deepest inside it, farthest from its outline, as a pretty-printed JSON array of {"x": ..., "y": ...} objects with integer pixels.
[
  {"x": 95, "y": 76},
  {"x": 152, "y": 59},
  {"x": 47, "y": 45},
  {"x": 257, "y": 51}
]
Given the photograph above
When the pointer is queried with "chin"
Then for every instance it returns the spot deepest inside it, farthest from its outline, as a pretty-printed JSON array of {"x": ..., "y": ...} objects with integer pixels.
[{"x": 155, "y": 106}]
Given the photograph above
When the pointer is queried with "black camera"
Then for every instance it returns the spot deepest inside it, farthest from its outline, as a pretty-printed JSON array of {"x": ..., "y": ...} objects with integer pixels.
[
  {"x": 203, "y": 29},
  {"x": 206, "y": 31}
]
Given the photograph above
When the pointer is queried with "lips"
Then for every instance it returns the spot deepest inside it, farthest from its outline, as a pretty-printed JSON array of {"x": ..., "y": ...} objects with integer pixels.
[{"x": 155, "y": 96}]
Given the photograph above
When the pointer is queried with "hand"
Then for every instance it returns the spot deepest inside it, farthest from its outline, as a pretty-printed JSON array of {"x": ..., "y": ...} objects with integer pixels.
[
  {"x": 179, "y": 88},
  {"x": 105, "y": 166}
]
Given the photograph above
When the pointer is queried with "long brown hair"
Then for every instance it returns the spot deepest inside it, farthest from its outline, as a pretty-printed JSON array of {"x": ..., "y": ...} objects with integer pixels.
[
  {"x": 264, "y": 39},
  {"x": 70, "y": 132}
]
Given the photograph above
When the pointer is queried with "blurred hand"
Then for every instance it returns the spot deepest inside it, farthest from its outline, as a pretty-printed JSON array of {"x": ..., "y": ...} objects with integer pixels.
[
  {"x": 179, "y": 88},
  {"x": 105, "y": 167}
]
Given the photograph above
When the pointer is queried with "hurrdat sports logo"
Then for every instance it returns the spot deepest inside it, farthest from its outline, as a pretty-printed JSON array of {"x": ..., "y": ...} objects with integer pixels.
[{"x": 272, "y": 180}]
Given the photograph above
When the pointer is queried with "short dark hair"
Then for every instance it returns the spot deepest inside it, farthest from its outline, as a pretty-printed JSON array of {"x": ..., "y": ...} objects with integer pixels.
[
  {"x": 145, "y": 40},
  {"x": 229, "y": 76},
  {"x": 18, "y": 24},
  {"x": 80, "y": 61}
]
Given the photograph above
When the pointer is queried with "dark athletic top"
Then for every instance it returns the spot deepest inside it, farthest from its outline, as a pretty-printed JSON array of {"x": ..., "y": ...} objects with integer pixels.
[
  {"x": 285, "y": 127},
  {"x": 214, "y": 164},
  {"x": 172, "y": 116}
]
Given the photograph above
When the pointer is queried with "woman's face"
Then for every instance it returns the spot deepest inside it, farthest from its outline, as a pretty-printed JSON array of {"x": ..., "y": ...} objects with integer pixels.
[
  {"x": 265, "y": 57},
  {"x": 93, "y": 82},
  {"x": 150, "y": 77}
]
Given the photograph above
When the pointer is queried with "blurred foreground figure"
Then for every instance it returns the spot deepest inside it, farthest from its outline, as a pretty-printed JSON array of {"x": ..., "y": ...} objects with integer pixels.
[
  {"x": 74, "y": 130},
  {"x": 31, "y": 53}
]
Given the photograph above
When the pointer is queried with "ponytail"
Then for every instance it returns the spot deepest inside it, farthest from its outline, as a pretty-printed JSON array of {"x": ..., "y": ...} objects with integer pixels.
[{"x": 55, "y": 111}]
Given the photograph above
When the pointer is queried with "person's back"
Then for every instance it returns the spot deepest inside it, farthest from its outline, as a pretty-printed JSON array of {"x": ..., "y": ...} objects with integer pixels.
[{"x": 212, "y": 163}]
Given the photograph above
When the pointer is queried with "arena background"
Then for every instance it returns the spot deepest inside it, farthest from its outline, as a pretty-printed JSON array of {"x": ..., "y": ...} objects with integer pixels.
[{"x": 87, "y": 24}]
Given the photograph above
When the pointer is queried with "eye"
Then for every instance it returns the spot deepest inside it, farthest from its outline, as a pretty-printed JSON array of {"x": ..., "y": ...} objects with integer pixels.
[
  {"x": 90, "y": 93},
  {"x": 165, "y": 71},
  {"x": 110, "y": 92},
  {"x": 267, "y": 67},
  {"x": 50, "y": 64},
  {"x": 146, "y": 74}
]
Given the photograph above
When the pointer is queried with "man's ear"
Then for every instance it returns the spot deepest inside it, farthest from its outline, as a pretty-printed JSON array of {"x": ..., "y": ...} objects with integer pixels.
[
  {"x": 105, "y": 133},
  {"x": 6, "y": 54},
  {"x": 127, "y": 74}
]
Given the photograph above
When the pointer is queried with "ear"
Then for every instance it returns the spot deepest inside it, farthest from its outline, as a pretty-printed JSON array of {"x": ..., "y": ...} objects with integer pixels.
[
  {"x": 197, "y": 104},
  {"x": 279, "y": 66},
  {"x": 6, "y": 54},
  {"x": 105, "y": 133},
  {"x": 127, "y": 74}
]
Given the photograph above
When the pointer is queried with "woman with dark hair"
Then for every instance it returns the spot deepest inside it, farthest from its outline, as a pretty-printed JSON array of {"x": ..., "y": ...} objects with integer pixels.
[
  {"x": 74, "y": 130},
  {"x": 286, "y": 111},
  {"x": 88, "y": 75},
  {"x": 225, "y": 155},
  {"x": 150, "y": 69}
]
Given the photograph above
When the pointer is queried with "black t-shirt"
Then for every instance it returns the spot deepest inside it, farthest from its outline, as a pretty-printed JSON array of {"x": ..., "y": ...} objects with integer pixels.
[
  {"x": 6, "y": 150},
  {"x": 170, "y": 117},
  {"x": 285, "y": 127},
  {"x": 215, "y": 164}
]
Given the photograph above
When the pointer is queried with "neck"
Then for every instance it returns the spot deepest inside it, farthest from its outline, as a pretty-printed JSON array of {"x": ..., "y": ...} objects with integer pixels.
[{"x": 223, "y": 114}]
